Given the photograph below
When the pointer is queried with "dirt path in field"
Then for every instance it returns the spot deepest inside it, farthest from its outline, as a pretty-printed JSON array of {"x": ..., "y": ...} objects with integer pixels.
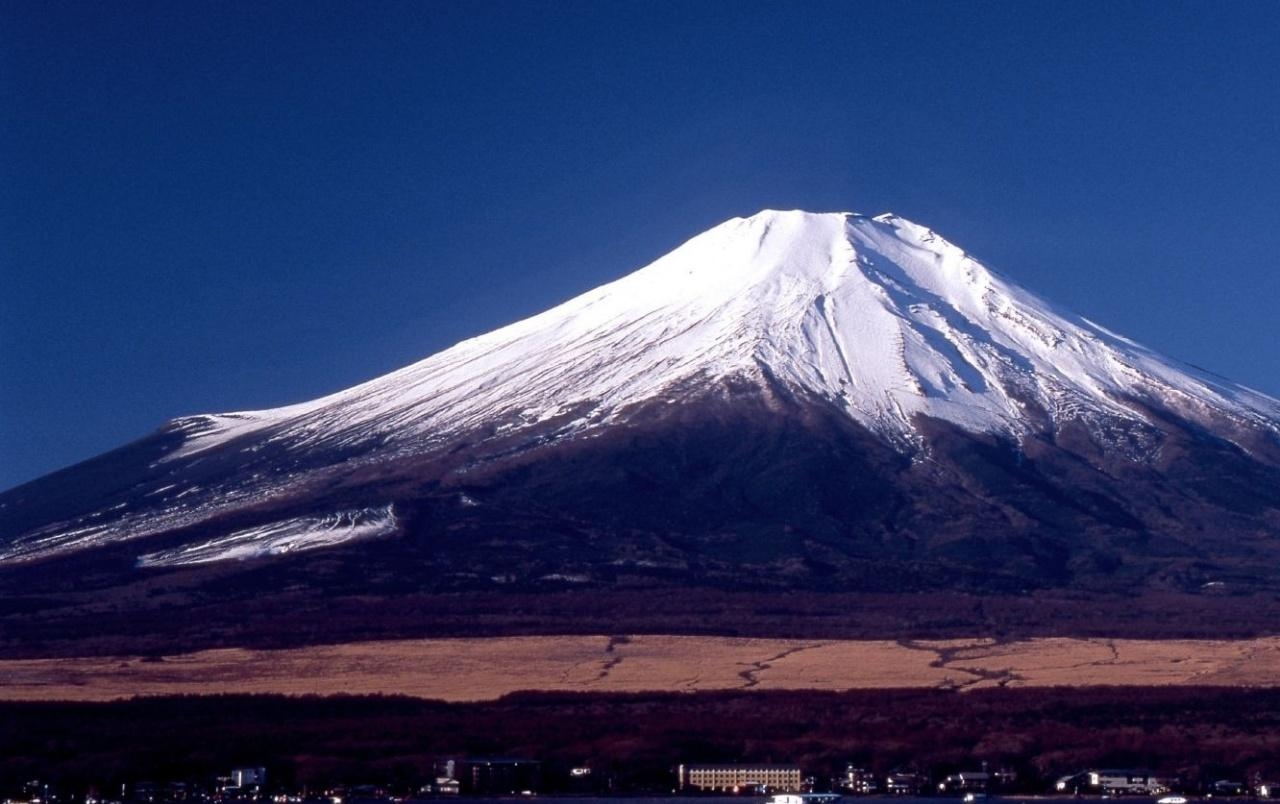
[{"x": 482, "y": 669}]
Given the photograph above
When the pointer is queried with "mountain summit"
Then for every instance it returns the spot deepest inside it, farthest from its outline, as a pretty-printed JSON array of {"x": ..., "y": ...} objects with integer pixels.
[
  {"x": 829, "y": 400},
  {"x": 879, "y": 316}
]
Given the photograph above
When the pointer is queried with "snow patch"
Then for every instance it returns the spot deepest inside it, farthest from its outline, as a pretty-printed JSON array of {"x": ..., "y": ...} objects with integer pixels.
[{"x": 286, "y": 536}]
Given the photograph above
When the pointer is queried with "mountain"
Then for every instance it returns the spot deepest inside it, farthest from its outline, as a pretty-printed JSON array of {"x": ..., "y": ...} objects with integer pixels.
[{"x": 790, "y": 400}]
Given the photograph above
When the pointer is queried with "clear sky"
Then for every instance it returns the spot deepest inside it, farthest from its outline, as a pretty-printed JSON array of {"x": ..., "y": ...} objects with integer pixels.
[{"x": 213, "y": 206}]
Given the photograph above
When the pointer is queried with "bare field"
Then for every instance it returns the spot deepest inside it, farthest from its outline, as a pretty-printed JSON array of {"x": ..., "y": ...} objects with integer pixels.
[{"x": 487, "y": 668}]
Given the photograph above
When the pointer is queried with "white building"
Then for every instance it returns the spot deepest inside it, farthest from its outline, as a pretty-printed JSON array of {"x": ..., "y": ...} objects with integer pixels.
[{"x": 737, "y": 778}]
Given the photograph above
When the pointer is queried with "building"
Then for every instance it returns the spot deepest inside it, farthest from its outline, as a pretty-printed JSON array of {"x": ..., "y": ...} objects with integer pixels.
[
  {"x": 504, "y": 776},
  {"x": 965, "y": 782},
  {"x": 739, "y": 778},
  {"x": 904, "y": 783},
  {"x": 249, "y": 777},
  {"x": 858, "y": 781},
  {"x": 1074, "y": 783},
  {"x": 1128, "y": 782}
]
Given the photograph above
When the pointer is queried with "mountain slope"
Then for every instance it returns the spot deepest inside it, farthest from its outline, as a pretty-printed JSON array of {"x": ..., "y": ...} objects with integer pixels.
[{"x": 822, "y": 400}]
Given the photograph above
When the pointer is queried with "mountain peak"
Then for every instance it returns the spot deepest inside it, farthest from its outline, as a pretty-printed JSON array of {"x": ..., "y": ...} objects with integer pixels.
[
  {"x": 877, "y": 319},
  {"x": 880, "y": 316}
]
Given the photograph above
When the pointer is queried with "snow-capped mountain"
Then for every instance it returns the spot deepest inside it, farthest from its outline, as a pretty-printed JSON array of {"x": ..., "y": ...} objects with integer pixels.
[
  {"x": 841, "y": 391},
  {"x": 880, "y": 316}
]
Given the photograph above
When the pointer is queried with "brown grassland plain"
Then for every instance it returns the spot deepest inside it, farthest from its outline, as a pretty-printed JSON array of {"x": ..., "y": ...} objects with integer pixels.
[{"x": 480, "y": 669}]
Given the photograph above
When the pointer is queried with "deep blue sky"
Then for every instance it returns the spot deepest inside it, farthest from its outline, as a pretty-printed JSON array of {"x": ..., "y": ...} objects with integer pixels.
[{"x": 222, "y": 206}]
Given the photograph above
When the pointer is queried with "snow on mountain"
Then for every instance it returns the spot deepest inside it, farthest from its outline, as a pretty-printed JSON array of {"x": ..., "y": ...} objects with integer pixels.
[
  {"x": 286, "y": 536},
  {"x": 879, "y": 316}
]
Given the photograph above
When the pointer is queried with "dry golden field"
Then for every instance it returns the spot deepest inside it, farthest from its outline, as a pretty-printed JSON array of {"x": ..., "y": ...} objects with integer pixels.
[{"x": 483, "y": 669}]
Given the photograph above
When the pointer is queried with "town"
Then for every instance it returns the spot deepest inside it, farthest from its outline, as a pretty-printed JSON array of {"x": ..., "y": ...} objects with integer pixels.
[
  {"x": 1216, "y": 742},
  {"x": 497, "y": 777}
]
